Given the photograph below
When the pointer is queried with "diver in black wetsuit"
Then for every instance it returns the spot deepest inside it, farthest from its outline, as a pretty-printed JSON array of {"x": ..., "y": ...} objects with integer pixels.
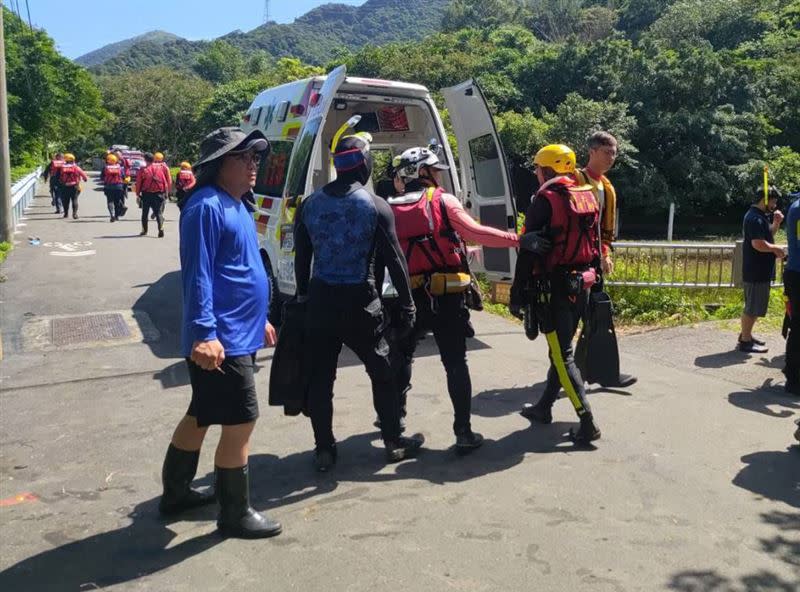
[{"x": 343, "y": 226}]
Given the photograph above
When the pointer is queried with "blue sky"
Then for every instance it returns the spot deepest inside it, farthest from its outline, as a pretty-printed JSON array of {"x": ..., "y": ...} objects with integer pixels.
[{"x": 79, "y": 26}]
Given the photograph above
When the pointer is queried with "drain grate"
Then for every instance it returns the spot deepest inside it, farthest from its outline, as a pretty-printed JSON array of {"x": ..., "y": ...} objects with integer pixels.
[{"x": 101, "y": 327}]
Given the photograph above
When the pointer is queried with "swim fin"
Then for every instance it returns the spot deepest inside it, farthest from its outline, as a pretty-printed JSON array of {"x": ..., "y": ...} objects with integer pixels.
[{"x": 597, "y": 353}]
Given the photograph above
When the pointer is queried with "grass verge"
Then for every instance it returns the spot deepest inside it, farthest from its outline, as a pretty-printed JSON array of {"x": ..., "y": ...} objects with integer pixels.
[{"x": 4, "y": 250}]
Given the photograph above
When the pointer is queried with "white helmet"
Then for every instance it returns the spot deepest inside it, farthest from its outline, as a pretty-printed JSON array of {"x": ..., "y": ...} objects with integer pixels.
[{"x": 413, "y": 159}]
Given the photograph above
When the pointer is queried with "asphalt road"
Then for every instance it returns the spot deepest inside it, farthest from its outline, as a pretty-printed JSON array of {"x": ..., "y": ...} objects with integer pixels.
[{"x": 694, "y": 487}]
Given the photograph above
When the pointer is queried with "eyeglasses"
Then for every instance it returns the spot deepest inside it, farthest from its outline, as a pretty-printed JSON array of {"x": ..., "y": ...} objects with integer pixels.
[
  {"x": 251, "y": 158},
  {"x": 612, "y": 152}
]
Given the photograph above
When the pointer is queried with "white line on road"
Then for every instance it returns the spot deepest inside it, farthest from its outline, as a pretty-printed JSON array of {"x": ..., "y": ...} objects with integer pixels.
[{"x": 73, "y": 254}]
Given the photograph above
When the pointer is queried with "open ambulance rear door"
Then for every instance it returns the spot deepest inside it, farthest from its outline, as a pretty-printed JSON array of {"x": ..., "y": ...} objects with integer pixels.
[
  {"x": 484, "y": 172},
  {"x": 320, "y": 104}
]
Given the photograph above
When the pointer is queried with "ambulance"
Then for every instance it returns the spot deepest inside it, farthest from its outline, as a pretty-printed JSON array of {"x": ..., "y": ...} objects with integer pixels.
[{"x": 302, "y": 120}]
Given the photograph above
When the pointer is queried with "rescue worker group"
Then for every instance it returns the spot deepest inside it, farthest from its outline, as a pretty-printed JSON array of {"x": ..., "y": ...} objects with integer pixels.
[
  {"x": 345, "y": 239},
  {"x": 153, "y": 185}
]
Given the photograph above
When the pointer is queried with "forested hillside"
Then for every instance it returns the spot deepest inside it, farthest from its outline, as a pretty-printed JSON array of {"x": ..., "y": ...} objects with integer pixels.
[
  {"x": 105, "y": 53},
  {"x": 316, "y": 37},
  {"x": 701, "y": 93}
]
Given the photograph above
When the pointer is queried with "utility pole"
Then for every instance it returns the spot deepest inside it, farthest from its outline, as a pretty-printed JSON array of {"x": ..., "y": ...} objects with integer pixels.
[{"x": 6, "y": 220}]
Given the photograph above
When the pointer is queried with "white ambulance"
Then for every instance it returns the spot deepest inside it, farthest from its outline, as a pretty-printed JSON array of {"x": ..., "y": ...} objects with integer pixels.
[{"x": 301, "y": 120}]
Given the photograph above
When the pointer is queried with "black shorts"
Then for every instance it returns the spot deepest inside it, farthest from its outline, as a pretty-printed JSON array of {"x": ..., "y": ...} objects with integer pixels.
[{"x": 227, "y": 397}]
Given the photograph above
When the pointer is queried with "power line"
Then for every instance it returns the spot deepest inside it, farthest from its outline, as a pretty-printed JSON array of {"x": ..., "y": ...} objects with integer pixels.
[{"x": 28, "y": 8}]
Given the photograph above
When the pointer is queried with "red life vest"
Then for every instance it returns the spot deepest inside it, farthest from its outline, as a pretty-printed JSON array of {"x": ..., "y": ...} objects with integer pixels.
[
  {"x": 185, "y": 178},
  {"x": 153, "y": 180},
  {"x": 69, "y": 175},
  {"x": 112, "y": 174},
  {"x": 428, "y": 242},
  {"x": 55, "y": 166},
  {"x": 573, "y": 224}
]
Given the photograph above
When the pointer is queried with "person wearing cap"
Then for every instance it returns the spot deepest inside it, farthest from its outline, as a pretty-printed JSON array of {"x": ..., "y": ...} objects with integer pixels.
[
  {"x": 554, "y": 275},
  {"x": 225, "y": 297},
  {"x": 158, "y": 160},
  {"x": 51, "y": 172},
  {"x": 184, "y": 181},
  {"x": 343, "y": 227},
  {"x": 69, "y": 183},
  {"x": 152, "y": 186},
  {"x": 432, "y": 227},
  {"x": 113, "y": 180}
]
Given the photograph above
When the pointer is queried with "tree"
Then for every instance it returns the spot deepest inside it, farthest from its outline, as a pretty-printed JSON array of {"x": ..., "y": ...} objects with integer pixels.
[
  {"x": 52, "y": 102},
  {"x": 221, "y": 62},
  {"x": 156, "y": 109}
]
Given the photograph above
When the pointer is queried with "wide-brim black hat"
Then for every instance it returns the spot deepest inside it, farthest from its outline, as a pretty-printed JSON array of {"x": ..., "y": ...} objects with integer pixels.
[{"x": 225, "y": 140}]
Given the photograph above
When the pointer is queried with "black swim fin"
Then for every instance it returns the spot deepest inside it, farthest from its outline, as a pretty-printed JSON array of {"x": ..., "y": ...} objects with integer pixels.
[{"x": 597, "y": 353}]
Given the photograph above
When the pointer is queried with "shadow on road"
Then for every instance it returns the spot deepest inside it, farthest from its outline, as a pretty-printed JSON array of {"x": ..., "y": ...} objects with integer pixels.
[
  {"x": 761, "y": 400},
  {"x": 112, "y": 557},
  {"x": 146, "y": 545},
  {"x": 736, "y": 358},
  {"x": 772, "y": 474},
  {"x": 779, "y": 547}
]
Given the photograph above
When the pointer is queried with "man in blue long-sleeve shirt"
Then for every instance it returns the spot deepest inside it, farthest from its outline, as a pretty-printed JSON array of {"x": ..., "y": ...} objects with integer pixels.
[{"x": 225, "y": 297}]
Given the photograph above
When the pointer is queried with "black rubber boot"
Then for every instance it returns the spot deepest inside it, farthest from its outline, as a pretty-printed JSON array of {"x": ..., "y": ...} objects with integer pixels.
[
  {"x": 403, "y": 447},
  {"x": 180, "y": 467},
  {"x": 587, "y": 432},
  {"x": 236, "y": 518}
]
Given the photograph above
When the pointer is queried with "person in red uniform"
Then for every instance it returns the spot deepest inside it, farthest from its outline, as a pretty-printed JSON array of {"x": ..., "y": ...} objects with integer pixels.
[
  {"x": 113, "y": 180},
  {"x": 152, "y": 185},
  {"x": 69, "y": 182},
  {"x": 158, "y": 159},
  {"x": 555, "y": 272},
  {"x": 184, "y": 181},
  {"x": 51, "y": 173},
  {"x": 432, "y": 227}
]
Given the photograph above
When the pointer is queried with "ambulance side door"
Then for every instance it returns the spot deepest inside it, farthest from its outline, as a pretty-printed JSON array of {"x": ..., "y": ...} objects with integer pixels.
[
  {"x": 485, "y": 180},
  {"x": 300, "y": 164}
]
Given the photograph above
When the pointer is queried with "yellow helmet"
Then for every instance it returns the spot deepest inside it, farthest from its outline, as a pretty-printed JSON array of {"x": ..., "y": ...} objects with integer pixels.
[
  {"x": 111, "y": 159},
  {"x": 158, "y": 157},
  {"x": 185, "y": 165},
  {"x": 558, "y": 157},
  {"x": 69, "y": 157}
]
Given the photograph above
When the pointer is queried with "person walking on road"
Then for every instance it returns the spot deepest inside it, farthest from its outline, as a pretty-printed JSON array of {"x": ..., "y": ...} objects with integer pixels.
[
  {"x": 69, "y": 183},
  {"x": 432, "y": 227},
  {"x": 184, "y": 181},
  {"x": 554, "y": 274},
  {"x": 158, "y": 160},
  {"x": 343, "y": 227},
  {"x": 758, "y": 264},
  {"x": 152, "y": 185},
  {"x": 113, "y": 181},
  {"x": 51, "y": 173},
  {"x": 791, "y": 285},
  {"x": 225, "y": 298},
  {"x": 602, "y": 155}
]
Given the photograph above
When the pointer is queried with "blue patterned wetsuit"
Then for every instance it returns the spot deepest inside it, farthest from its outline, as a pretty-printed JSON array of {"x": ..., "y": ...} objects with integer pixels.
[{"x": 342, "y": 228}]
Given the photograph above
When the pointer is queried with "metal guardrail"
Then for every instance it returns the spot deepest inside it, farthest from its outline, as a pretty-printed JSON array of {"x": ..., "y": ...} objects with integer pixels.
[
  {"x": 679, "y": 265},
  {"x": 22, "y": 194}
]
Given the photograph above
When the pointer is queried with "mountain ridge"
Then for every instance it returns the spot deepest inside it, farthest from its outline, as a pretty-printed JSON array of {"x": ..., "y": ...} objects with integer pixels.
[
  {"x": 315, "y": 37},
  {"x": 111, "y": 50}
]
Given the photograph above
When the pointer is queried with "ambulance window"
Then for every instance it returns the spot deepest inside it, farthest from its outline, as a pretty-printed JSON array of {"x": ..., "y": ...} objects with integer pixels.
[
  {"x": 304, "y": 146},
  {"x": 272, "y": 172},
  {"x": 283, "y": 109},
  {"x": 487, "y": 168}
]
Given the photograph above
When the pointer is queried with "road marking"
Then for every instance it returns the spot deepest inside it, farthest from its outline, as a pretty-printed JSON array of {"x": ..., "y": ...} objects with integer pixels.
[
  {"x": 20, "y": 498},
  {"x": 73, "y": 253}
]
